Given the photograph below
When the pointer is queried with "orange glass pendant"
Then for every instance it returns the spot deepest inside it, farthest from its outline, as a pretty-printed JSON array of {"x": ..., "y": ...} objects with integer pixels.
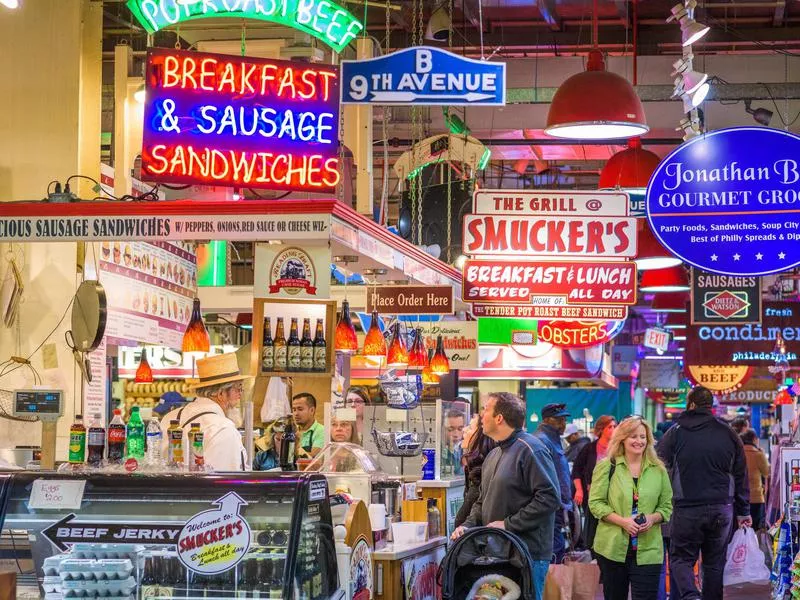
[
  {"x": 375, "y": 343},
  {"x": 345, "y": 339},
  {"x": 417, "y": 357},
  {"x": 144, "y": 374},
  {"x": 429, "y": 377},
  {"x": 439, "y": 363},
  {"x": 398, "y": 352},
  {"x": 195, "y": 338}
]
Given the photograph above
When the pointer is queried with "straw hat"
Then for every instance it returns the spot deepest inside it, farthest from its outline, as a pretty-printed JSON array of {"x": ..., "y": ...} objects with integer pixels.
[{"x": 216, "y": 369}]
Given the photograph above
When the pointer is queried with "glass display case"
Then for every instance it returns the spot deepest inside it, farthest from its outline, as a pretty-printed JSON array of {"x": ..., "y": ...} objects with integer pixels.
[{"x": 244, "y": 535}]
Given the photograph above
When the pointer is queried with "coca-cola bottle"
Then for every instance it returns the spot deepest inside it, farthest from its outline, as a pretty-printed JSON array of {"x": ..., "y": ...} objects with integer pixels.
[{"x": 116, "y": 439}]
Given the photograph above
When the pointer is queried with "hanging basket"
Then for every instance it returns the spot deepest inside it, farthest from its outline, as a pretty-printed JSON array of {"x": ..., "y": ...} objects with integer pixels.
[{"x": 399, "y": 443}]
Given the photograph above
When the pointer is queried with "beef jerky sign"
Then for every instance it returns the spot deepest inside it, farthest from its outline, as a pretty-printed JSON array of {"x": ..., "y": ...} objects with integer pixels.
[{"x": 725, "y": 299}]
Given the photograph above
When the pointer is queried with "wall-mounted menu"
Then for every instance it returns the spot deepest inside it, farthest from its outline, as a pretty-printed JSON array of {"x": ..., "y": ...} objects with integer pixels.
[{"x": 150, "y": 287}]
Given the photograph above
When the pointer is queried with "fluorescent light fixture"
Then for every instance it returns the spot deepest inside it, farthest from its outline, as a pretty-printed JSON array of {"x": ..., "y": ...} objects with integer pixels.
[
  {"x": 598, "y": 131},
  {"x": 139, "y": 95},
  {"x": 10, "y": 3}
]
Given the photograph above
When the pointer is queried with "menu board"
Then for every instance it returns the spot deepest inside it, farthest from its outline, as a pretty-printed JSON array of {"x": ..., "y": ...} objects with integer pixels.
[{"x": 150, "y": 288}]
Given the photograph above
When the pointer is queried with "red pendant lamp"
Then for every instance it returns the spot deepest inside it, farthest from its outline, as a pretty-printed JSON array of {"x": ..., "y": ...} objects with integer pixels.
[
  {"x": 417, "y": 356},
  {"x": 398, "y": 352},
  {"x": 629, "y": 170},
  {"x": 428, "y": 376},
  {"x": 650, "y": 254},
  {"x": 439, "y": 363},
  {"x": 596, "y": 104},
  {"x": 674, "y": 302},
  {"x": 375, "y": 343},
  {"x": 673, "y": 279},
  {"x": 345, "y": 339},
  {"x": 144, "y": 374},
  {"x": 195, "y": 338}
]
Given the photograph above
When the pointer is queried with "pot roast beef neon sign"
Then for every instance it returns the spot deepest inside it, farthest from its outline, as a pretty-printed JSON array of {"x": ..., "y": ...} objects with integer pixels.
[
  {"x": 242, "y": 122},
  {"x": 323, "y": 19}
]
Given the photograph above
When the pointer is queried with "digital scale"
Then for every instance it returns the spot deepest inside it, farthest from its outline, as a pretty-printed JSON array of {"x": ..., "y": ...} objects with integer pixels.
[{"x": 48, "y": 406}]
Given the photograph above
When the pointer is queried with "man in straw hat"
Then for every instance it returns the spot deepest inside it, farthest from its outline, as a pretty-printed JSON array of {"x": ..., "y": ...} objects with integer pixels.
[{"x": 219, "y": 391}]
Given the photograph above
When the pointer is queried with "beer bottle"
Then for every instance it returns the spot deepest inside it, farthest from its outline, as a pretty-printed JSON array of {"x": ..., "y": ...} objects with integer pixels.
[
  {"x": 293, "y": 349},
  {"x": 320, "y": 351},
  {"x": 306, "y": 348},
  {"x": 268, "y": 348},
  {"x": 280, "y": 347}
]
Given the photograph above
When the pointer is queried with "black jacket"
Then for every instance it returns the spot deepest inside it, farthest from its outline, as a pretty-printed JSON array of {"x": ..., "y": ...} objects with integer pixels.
[
  {"x": 519, "y": 487},
  {"x": 706, "y": 462},
  {"x": 472, "y": 489},
  {"x": 583, "y": 467}
]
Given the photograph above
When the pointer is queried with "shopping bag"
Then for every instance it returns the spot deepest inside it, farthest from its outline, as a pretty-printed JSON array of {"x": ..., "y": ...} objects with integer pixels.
[
  {"x": 745, "y": 560},
  {"x": 585, "y": 580},
  {"x": 558, "y": 583}
]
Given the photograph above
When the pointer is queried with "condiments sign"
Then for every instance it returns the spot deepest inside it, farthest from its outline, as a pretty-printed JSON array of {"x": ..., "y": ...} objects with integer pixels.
[
  {"x": 410, "y": 299},
  {"x": 240, "y": 121}
]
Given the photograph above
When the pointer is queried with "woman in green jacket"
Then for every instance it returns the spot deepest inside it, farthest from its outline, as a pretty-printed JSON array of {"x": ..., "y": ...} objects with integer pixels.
[{"x": 630, "y": 495}]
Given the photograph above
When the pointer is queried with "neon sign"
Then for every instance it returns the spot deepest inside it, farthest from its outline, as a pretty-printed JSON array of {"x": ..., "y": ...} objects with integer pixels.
[
  {"x": 323, "y": 19},
  {"x": 241, "y": 122},
  {"x": 578, "y": 334}
]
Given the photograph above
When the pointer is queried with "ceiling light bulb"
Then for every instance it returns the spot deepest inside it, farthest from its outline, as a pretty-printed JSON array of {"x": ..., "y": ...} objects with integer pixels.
[
  {"x": 700, "y": 94},
  {"x": 692, "y": 31}
]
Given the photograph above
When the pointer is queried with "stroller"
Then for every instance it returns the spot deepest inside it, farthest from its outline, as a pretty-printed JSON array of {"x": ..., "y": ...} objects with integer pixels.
[{"x": 483, "y": 554}]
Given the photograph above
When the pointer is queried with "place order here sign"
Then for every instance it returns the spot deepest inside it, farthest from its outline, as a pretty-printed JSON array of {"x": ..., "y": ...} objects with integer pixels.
[{"x": 515, "y": 238}]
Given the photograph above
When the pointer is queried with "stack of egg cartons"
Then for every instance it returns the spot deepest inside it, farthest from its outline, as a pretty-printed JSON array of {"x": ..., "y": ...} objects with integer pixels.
[{"x": 92, "y": 571}]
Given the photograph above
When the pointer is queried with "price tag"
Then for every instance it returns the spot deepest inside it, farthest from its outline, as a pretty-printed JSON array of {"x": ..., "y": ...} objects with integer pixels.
[{"x": 56, "y": 493}]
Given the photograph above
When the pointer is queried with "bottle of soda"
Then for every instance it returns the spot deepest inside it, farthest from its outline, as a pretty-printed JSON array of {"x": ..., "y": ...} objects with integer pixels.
[
  {"x": 293, "y": 349},
  {"x": 77, "y": 441},
  {"x": 267, "y": 348},
  {"x": 154, "y": 438},
  {"x": 97, "y": 441},
  {"x": 116, "y": 439},
  {"x": 135, "y": 435},
  {"x": 175, "y": 439},
  {"x": 306, "y": 348},
  {"x": 320, "y": 351}
]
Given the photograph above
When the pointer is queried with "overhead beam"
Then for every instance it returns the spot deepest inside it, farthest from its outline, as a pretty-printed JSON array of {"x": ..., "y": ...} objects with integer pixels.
[{"x": 624, "y": 12}]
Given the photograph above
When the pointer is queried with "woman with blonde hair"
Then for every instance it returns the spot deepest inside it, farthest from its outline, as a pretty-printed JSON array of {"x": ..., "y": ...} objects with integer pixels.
[{"x": 631, "y": 494}]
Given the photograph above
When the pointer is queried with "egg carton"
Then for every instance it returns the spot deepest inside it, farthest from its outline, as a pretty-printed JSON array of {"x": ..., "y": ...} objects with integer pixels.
[
  {"x": 51, "y": 584},
  {"x": 52, "y": 564},
  {"x": 98, "y": 589},
  {"x": 99, "y": 551},
  {"x": 96, "y": 570}
]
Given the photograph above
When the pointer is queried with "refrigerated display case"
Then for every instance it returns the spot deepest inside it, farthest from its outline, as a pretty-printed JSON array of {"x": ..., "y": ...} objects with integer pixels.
[{"x": 244, "y": 535}]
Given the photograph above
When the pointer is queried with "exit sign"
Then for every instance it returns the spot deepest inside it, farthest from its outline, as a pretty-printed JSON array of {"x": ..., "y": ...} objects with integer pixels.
[{"x": 657, "y": 339}]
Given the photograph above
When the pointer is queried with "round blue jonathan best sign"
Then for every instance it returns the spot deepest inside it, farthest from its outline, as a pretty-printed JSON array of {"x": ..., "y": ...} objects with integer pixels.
[{"x": 729, "y": 201}]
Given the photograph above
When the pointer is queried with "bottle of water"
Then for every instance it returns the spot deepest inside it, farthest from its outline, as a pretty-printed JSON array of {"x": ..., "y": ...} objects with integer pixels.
[{"x": 153, "y": 452}]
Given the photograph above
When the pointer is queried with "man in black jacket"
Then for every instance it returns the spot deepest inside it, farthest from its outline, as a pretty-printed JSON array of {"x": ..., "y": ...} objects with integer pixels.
[
  {"x": 519, "y": 486},
  {"x": 707, "y": 466}
]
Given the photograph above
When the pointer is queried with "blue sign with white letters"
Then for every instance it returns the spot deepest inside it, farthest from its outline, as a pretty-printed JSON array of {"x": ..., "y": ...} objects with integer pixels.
[
  {"x": 423, "y": 75},
  {"x": 729, "y": 201}
]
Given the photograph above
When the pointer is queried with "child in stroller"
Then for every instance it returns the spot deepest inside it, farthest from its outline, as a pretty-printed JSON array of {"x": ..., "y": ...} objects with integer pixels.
[{"x": 487, "y": 564}]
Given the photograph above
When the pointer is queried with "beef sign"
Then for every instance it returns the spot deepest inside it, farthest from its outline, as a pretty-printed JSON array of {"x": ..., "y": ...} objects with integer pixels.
[{"x": 515, "y": 238}]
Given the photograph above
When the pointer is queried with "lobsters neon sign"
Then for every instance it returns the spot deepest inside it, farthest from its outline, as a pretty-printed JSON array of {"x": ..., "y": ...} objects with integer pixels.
[
  {"x": 242, "y": 122},
  {"x": 325, "y": 20}
]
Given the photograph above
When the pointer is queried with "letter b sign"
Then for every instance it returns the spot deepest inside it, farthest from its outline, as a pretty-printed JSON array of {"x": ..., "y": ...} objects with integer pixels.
[{"x": 424, "y": 62}]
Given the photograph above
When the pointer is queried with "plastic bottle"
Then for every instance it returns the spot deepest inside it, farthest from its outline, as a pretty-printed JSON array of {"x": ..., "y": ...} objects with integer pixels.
[
  {"x": 135, "y": 436},
  {"x": 434, "y": 518},
  {"x": 116, "y": 439},
  {"x": 77, "y": 441},
  {"x": 175, "y": 439},
  {"x": 154, "y": 437},
  {"x": 96, "y": 441},
  {"x": 195, "y": 446}
]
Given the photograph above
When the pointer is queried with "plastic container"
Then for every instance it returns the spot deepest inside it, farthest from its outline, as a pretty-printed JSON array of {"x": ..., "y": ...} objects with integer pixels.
[{"x": 409, "y": 532}]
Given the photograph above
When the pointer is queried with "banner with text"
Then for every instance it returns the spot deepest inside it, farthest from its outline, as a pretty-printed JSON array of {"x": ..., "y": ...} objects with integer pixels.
[
  {"x": 410, "y": 299},
  {"x": 725, "y": 299},
  {"x": 460, "y": 339},
  {"x": 292, "y": 272}
]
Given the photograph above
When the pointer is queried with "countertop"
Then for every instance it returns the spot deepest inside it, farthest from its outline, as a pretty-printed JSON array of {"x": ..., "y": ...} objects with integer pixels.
[
  {"x": 441, "y": 483},
  {"x": 392, "y": 552}
]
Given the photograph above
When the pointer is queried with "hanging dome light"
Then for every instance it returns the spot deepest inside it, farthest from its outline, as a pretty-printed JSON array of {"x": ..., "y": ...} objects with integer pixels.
[
  {"x": 195, "y": 338},
  {"x": 630, "y": 169},
  {"x": 673, "y": 279},
  {"x": 144, "y": 374},
  {"x": 375, "y": 343},
  {"x": 596, "y": 104},
  {"x": 439, "y": 363},
  {"x": 345, "y": 340},
  {"x": 650, "y": 254},
  {"x": 674, "y": 302},
  {"x": 398, "y": 352},
  {"x": 417, "y": 356}
]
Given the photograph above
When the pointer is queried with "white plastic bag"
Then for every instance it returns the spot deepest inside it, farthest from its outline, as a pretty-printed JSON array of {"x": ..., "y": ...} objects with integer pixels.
[
  {"x": 745, "y": 560},
  {"x": 276, "y": 401}
]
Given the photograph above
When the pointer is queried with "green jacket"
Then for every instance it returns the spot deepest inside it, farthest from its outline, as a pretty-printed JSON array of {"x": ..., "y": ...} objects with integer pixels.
[{"x": 616, "y": 496}]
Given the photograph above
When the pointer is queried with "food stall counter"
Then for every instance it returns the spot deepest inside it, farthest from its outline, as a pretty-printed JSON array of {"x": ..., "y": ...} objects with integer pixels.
[{"x": 408, "y": 570}]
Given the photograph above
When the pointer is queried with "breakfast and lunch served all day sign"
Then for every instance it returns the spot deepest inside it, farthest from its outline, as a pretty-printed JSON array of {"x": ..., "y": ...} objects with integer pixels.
[
  {"x": 727, "y": 201},
  {"x": 514, "y": 238},
  {"x": 240, "y": 121}
]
